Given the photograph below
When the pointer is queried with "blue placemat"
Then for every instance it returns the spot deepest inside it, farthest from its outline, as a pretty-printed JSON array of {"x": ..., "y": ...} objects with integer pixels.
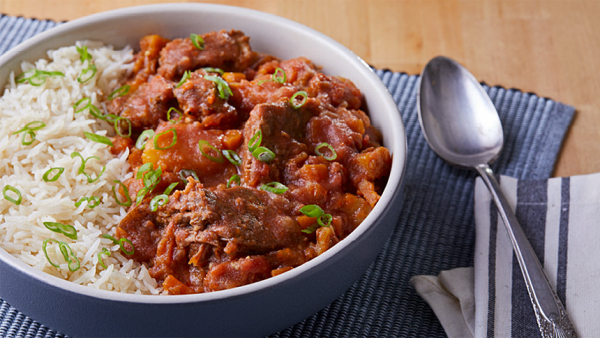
[{"x": 436, "y": 227}]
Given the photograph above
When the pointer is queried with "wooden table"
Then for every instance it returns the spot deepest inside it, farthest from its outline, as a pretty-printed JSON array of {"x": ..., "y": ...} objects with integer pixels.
[{"x": 548, "y": 47}]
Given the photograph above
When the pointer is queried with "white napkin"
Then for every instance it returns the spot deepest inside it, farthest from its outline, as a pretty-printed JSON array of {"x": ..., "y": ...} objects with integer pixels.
[{"x": 561, "y": 217}]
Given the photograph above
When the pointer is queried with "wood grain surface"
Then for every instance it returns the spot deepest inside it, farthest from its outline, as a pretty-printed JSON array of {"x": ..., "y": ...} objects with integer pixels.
[{"x": 551, "y": 48}]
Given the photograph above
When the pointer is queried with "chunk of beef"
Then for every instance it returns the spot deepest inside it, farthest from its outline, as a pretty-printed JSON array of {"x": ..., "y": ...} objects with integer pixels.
[
  {"x": 140, "y": 228},
  {"x": 334, "y": 91},
  {"x": 348, "y": 133},
  {"x": 340, "y": 129},
  {"x": 148, "y": 105},
  {"x": 145, "y": 65},
  {"x": 283, "y": 132},
  {"x": 199, "y": 98},
  {"x": 239, "y": 220},
  {"x": 229, "y": 51},
  {"x": 248, "y": 94}
]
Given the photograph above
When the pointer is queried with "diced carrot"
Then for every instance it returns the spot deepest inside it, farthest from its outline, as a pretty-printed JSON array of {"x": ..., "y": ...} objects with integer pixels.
[
  {"x": 325, "y": 239},
  {"x": 305, "y": 221},
  {"x": 281, "y": 270},
  {"x": 234, "y": 77},
  {"x": 173, "y": 286}
]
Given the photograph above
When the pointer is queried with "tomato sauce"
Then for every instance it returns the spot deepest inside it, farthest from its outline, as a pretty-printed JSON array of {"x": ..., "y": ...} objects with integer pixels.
[{"x": 253, "y": 165}]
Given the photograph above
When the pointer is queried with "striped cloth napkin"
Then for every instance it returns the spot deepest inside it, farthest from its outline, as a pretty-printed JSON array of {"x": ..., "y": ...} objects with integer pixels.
[{"x": 560, "y": 218}]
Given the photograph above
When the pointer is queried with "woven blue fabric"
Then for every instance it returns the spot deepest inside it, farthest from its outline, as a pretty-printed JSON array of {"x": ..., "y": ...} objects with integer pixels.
[{"x": 436, "y": 227}]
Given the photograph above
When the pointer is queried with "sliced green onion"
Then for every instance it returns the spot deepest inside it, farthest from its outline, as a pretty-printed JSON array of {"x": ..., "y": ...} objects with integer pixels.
[
  {"x": 65, "y": 250},
  {"x": 31, "y": 135},
  {"x": 232, "y": 156},
  {"x": 40, "y": 77},
  {"x": 324, "y": 220},
  {"x": 8, "y": 188},
  {"x": 37, "y": 80},
  {"x": 47, "y": 174},
  {"x": 274, "y": 187},
  {"x": 111, "y": 118},
  {"x": 157, "y": 201},
  {"x": 104, "y": 252},
  {"x": 23, "y": 77},
  {"x": 185, "y": 77},
  {"x": 95, "y": 111},
  {"x": 178, "y": 113},
  {"x": 29, "y": 130},
  {"x": 304, "y": 96},
  {"x": 92, "y": 202},
  {"x": 120, "y": 243},
  {"x": 83, "y": 53},
  {"x": 98, "y": 138},
  {"x": 197, "y": 41},
  {"x": 234, "y": 178},
  {"x": 331, "y": 157},
  {"x": 185, "y": 173},
  {"x": 33, "y": 126},
  {"x": 263, "y": 154},
  {"x": 222, "y": 86},
  {"x": 118, "y": 128},
  {"x": 311, "y": 229},
  {"x": 255, "y": 141},
  {"x": 152, "y": 178},
  {"x": 46, "y": 253},
  {"x": 312, "y": 210},
  {"x": 140, "y": 195},
  {"x": 65, "y": 229},
  {"x": 279, "y": 78},
  {"x": 143, "y": 138},
  {"x": 173, "y": 140},
  {"x": 91, "y": 70},
  {"x": 87, "y": 100},
  {"x": 122, "y": 246},
  {"x": 82, "y": 166},
  {"x": 92, "y": 180},
  {"x": 107, "y": 236},
  {"x": 202, "y": 144},
  {"x": 144, "y": 168},
  {"x": 127, "y": 197},
  {"x": 213, "y": 70},
  {"x": 36, "y": 77},
  {"x": 121, "y": 91},
  {"x": 73, "y": 265},
  {"x": 170, "y": 188}
]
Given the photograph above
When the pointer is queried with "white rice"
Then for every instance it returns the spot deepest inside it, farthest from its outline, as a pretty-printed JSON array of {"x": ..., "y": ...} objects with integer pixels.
[{"x": 22, "y": 166}]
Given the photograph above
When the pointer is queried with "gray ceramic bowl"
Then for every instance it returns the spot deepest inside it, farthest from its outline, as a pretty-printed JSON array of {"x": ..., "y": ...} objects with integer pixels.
[{"x": 253, "y": 310}]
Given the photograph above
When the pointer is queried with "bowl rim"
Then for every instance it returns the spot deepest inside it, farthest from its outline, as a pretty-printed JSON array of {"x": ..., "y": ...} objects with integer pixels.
[{"x": 394, "y": 181}]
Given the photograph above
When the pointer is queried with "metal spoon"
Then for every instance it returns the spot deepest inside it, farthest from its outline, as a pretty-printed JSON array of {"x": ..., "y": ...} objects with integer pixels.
[{"x": 462, "y": 126}]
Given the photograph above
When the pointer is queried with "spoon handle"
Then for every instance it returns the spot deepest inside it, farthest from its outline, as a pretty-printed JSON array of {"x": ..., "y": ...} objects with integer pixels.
[{"x": 551, "y": 316}]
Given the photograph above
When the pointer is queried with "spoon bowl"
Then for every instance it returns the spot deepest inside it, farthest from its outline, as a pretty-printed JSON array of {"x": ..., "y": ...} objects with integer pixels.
[
  {"x": 458, "y": 118},
  {"x": 462, "y": 126}
]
